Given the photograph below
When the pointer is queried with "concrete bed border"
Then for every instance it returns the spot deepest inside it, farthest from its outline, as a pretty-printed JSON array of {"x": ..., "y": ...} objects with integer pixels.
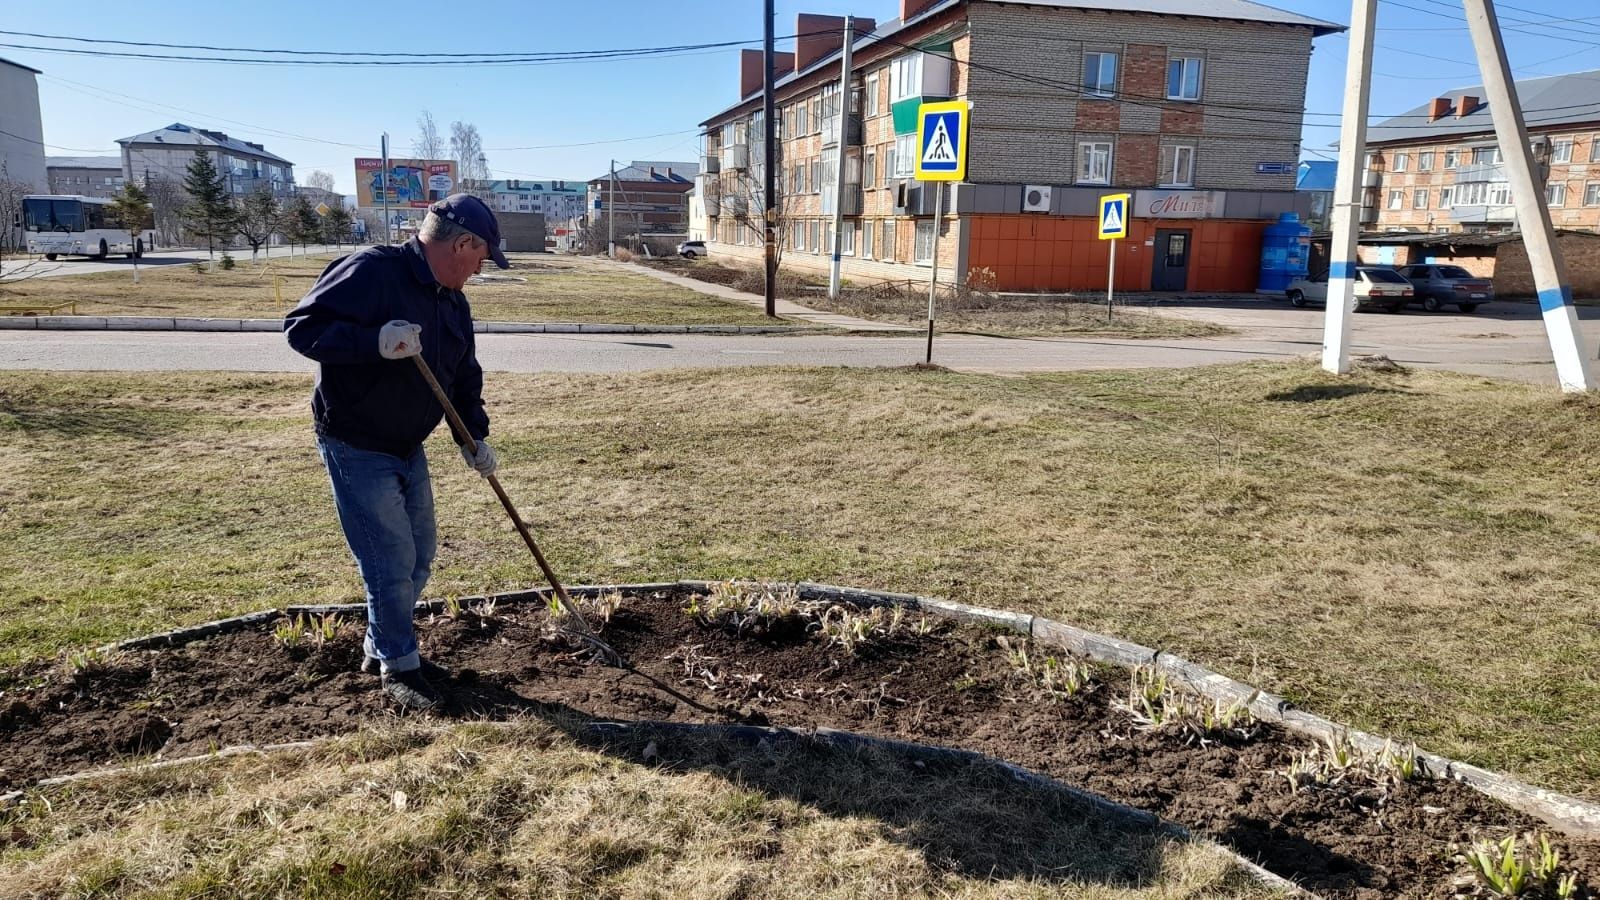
[
  {"x": 189, "y": 323},
  {"x": 1579, "y": 818}
]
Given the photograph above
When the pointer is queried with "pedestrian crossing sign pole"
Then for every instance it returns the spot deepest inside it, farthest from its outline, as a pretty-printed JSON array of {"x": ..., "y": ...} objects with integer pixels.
[
  {"x": 1113, "y": 226},
  {"x": 941, "y": 157}
]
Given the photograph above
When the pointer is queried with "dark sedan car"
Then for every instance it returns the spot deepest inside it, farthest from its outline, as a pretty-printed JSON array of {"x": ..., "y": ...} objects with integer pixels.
[{"x": 1438, "y": 286}]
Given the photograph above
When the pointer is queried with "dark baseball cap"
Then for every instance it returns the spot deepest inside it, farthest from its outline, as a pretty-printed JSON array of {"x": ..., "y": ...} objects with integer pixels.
[{"x": 475, "y": 216}]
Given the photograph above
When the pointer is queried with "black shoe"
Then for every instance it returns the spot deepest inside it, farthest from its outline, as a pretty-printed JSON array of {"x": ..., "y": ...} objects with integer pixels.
[
  {"x": 371, "y": 666},
  {"x": 411, "y": 690}
]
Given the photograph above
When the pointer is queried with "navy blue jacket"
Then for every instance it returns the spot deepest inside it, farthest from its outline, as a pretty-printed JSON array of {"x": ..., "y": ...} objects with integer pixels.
[{"x": 378, "y": 404}]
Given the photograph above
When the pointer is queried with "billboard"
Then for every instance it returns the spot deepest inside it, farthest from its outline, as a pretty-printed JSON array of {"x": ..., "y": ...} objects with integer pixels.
[{"x": 412, "y": 183}]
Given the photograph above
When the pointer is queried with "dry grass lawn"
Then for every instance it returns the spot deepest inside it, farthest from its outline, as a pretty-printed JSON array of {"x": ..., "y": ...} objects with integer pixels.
[
  {"x": 557, "y": 289},
  {"x": 1415, "y": 554},
  {"x": 523, "y": 811}
]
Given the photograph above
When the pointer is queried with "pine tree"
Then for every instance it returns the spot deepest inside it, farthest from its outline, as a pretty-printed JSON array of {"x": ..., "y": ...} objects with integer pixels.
[
  {"x": 131, "y": 211},
  {"x": 209, "y": 212},
  {"x": 257, "y": 217},
  {"x": 303, "y": 225},
  {"x": 336, "y": 224}
]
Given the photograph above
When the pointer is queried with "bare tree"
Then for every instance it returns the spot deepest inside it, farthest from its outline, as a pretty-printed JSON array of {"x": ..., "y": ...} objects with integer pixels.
[
  {"x": 428, "y": 144},
  {"x": 466, "y": 146},
  {"x": 11, "y": 193},
  {"x": 320, "y": 180},
  {"x": 745, "y": 200},
  {"x": 258, "y": 216},
  {"x": 167, "y": 198}
]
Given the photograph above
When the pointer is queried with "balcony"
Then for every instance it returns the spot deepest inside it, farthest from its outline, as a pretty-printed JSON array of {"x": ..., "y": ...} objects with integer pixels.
[
  {"x": 852, "y": 132},
  {"x": 735, "y": 205},
  {"x": 914, "y": 198},
  {"x": 736, "y": 157},
  {"x": 1369, "y": 215},
  {"x": 711, "y": 163},
  {"x": 1490, "y": 172},
  {"x": 1482, "y": 214},
  {"x": 713, "y": 205},
  {"x": 1371, "y": 179},
  {"x": 850, "y": 201}
]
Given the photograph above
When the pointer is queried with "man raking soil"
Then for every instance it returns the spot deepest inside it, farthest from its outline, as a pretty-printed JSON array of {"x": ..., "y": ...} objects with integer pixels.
[{"x": 368, "y": 314}]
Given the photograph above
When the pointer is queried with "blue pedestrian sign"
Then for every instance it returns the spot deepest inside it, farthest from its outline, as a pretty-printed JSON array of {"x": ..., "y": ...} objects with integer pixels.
[
  {"x": 1114, "y": 217},
  {"x": 942, "y": 141}
]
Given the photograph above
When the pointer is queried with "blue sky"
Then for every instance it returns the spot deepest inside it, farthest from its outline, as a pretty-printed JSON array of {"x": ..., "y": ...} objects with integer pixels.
[{"x": 323, "y": 117}]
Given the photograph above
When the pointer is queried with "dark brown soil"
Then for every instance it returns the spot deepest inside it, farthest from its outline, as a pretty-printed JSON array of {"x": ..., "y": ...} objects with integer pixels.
[{"x": 955, "y": 687}]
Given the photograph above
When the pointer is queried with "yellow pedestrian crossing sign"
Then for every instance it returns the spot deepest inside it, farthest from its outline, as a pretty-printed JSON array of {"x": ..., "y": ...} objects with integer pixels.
[
  {"x": 1114, "y": 217},
  {"x": 942, "y": 140}
]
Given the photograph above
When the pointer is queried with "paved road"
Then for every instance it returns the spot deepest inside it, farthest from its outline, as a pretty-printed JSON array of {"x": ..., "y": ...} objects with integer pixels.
[
  {"x": 76, "y": 265},
  {"x": 1503, "y": 340}
]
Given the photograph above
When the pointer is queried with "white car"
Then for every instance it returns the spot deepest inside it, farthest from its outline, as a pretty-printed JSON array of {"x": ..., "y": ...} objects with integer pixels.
[
  {"x": 1375, "y": 287},
  {"x": 692, "y": 249}
]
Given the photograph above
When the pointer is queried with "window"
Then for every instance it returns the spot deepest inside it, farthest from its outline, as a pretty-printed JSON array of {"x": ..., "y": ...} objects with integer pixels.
[
  {"x": 816, "y": 235},
  {"x": 1182, "y": 170},
  {"x": 816, "y": 176},
  {"x": 1447, "y": 197},
  {"x": 1591, "y": 194},
  {"x": 872, "y": 95},
  {"x": 889, "y": 227},
  {"x": 1397, "y": 199},
  {"x": 1555, "y": 194},
  {"x": 1401, "y": 160},
  {"x": 1499, "y": 194},
  {"x": 905, "y": 77},
  {"x": 905, "y": 155},
  {"x": 1100, "y": 74},
  {"x": 1183, "y": 78},
  {"x": 847, "y": 239},
  {"x": 1425, "y": 161},
  {"x": 1485, "y": 155},
  {"x": 1561, "y": 151},
  {"x": 869, "y": 169},
  {"x": 1094, "y": 163},
  {"x": 1473, "y": 193},
  {"x": 888, "y": 164},
  {"x": 922, "y": 253},
  {"x": 816, "y": 115},
  {"x": 1419, "y": 199},
  {"x": 800, "y": 123},
  {"x": 1452, "y": 159},
  {"x": 866, "y": 239},
  {"x": 1594, "y": 149},
  {"x": 826, "y": 247}
]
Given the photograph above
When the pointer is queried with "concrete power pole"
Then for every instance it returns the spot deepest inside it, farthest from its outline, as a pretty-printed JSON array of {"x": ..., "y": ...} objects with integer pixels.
[
  {"x": 611, "y": 214},
  {"x": 769, "y": 174},
  {"x": 1573, "y": 368},
  {"x": 1349, "y": 189},
  {"x": 841, "y": 156},
  {"x": 383, "y": 185}
]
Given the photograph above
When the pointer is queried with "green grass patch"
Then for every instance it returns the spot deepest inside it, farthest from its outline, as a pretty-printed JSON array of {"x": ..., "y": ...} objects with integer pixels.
[
  {"x": 556, "y": 289},
  {"x": 1414, "y": 554}
]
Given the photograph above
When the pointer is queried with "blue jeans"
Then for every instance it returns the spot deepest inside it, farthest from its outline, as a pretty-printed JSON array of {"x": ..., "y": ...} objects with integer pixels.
[{"x": 385, "y": 506}]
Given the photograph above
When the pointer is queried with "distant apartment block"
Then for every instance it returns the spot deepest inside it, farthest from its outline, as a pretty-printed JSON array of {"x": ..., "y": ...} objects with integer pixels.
[
  {"x": 1438, "y": 167},
  {"x": 651, "y": 197},
  {"x": 246, "y": 167},
  {"x": 21, "y": 129},
  {"x": 89, "y": 176},
  {"x": 557, "y": 201},
  {"x": 1071, "y": 99}
]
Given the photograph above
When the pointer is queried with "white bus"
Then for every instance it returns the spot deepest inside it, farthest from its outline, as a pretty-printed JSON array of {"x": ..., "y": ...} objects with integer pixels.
[{"x": 70, "y": 225}]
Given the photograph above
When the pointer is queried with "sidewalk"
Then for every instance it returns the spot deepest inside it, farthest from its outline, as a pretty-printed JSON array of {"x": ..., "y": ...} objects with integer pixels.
[
  {"x": 187, "y": 323},
  {"x": 785, "y": 308}
]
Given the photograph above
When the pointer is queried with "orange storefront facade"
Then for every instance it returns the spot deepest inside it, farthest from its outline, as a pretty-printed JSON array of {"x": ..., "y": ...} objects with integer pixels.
[{"x": 1062, "y": 253}]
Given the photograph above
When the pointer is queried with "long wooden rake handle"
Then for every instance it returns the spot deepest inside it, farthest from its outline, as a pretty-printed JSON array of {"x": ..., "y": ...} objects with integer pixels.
[{"x": 570, "y": 608}]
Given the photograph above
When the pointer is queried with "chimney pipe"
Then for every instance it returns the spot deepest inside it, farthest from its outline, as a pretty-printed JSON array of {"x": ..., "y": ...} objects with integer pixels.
[
  {"x": 1439, "y": 109},
  {"x": 1469, "y": 105}
]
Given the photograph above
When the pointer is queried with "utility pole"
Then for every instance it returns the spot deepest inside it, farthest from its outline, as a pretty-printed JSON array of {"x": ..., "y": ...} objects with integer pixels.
[
  {"x": 1573, "y": 368},
  {"x": 769, "y": 174},
  {"x": 1348, "y": 189},
  {"x": 383, "y": 187},
  {"x": 611, "y": 214},
  {"x": 841, "y": 156}
]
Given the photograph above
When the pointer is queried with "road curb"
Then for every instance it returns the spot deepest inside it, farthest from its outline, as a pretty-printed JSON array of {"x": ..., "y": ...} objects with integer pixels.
[{"x": 189, "y": 323}]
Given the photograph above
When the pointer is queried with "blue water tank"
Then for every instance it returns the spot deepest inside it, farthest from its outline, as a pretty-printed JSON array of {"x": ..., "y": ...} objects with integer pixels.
[{"x": 1285, "y": 254}]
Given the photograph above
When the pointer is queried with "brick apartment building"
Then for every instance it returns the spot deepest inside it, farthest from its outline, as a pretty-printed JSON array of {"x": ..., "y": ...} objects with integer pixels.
[
  {"x": 652, "y": 198},
  {"x": 1198, "y": 114},
  {"x": 1437, "y": 168}
]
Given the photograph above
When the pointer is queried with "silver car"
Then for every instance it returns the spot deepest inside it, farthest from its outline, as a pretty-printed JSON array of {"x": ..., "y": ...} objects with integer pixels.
[{"x": 1375, "y": 287}]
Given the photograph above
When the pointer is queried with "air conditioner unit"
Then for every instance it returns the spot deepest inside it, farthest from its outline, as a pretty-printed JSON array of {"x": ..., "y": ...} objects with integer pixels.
[{"x": 1036, "y": 198}]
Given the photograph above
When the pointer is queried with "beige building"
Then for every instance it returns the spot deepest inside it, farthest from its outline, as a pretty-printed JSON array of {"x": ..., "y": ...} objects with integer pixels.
[
  {"x": 1071, "y": 99},
  {"x": 1438, "y": 167},
  {"x": 246, "y": 167}
]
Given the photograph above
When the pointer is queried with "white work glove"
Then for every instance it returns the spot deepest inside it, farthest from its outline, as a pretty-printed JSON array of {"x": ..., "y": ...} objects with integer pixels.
[
  {"x": 399, "y": 339},
  {"x": 484, "y": 462}
]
